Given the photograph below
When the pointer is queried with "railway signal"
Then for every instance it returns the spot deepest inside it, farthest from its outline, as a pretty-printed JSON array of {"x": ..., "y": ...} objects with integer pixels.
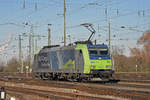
[{"x": 2, "y": 94}]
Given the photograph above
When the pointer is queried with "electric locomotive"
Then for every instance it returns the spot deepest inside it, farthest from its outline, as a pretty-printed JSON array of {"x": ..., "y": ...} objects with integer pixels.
[{"x": 82, "y": 61}]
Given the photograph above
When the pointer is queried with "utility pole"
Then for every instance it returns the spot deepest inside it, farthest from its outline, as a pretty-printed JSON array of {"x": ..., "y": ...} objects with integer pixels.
[
  {"x": 30, "y": 50},
  {"x": 69, "y": 36},
  {"x": 35, "y": 6},
  {"x": 109, "y": 40},
  {"x": 49, "y": 35},
  {"x": 24, "y": 4},
  {"x": 20, "y": 53},
  {"x": 35, "y": 44},
  {"x": 64, "y": 22},
  {"x": 32, "y": 40},
  {"x": 31, "y": 46},
  {"x": 20, "y": 56},
  {"x": 22, "y": 63}
]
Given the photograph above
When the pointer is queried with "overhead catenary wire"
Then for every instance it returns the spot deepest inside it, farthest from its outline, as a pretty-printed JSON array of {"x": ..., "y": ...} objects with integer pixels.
[
  {"x": 114, "y": 17},
  {"x": 75, "y": 26}
]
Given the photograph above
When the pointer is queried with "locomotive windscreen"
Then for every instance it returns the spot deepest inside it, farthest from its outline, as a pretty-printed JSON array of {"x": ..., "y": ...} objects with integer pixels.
[{"x": 99, "y": 52}]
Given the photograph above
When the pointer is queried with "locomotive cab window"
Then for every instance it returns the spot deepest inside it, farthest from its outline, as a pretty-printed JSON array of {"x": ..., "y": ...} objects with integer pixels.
[
  {"x": 99, "y": 52},
  {"x": 93, "y": 52},
  {"x": 103, "y": 52}
]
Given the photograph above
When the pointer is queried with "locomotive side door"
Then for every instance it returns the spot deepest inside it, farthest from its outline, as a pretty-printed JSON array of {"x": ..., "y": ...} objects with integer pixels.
[{"x": 79, "y": 61}]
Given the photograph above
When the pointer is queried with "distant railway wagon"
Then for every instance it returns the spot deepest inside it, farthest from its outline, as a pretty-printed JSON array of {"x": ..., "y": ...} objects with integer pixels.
[{"x": 78, "y": 62}]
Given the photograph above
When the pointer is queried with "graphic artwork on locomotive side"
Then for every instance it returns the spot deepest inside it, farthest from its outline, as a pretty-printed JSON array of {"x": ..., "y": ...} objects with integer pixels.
[{"x": 82, "y": 61}]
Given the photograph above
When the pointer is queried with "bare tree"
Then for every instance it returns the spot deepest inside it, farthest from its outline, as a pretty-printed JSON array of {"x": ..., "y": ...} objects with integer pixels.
[{"x": 13, "y": 65}]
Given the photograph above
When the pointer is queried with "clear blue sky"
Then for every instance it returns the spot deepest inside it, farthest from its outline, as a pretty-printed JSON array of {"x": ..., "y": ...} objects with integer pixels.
[{"x": 78, "y": 12}]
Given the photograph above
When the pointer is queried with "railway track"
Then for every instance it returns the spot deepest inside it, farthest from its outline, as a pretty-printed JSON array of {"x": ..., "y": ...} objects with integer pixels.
[
  {"x": 81, "y": 91},
  {"x": 22, "y": 87},
  {"x": 50, "y": 93}
]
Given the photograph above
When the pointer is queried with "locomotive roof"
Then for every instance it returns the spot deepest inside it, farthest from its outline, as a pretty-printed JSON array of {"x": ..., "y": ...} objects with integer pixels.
[
  {"x": 56, "y": 47},
  {"x": 97, "y": 46},
  {"x": 51, "y": 46},
  {"x": 45, "y": 49}
]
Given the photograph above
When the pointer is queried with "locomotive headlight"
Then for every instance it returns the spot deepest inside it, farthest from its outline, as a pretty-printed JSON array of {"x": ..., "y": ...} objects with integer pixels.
[
  {"x": 99, "y": 58},
  {"x": 108, "y": 66},
  {"x": 93, "y": 67}
]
